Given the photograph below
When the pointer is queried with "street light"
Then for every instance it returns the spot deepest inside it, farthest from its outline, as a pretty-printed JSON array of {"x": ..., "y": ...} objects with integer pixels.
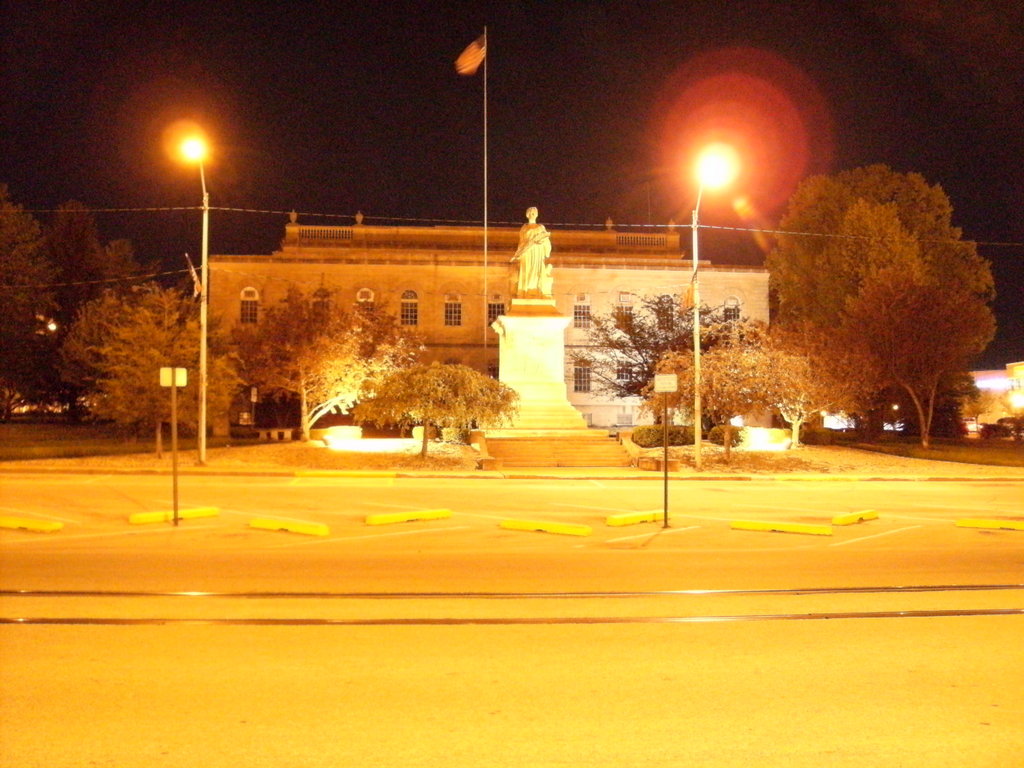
[
  {"x": 194, "y": 149},
  {"x": 716, "y": 167}
]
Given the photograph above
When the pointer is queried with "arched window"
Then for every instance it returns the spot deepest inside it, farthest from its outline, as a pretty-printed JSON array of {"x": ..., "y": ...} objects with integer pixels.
[
  {"x": 409, "y": 312},
  {"x": 452, "y": 309},
  {"x": 250, "y": 305},
  {"x": 364, "y": 296},
  {"x": 321, "y": 303},
  {"x": 731, "y": 309}
]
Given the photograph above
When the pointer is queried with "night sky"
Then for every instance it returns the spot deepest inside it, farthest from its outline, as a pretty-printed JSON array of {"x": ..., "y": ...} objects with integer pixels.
[{"x": 593, "y": 111}]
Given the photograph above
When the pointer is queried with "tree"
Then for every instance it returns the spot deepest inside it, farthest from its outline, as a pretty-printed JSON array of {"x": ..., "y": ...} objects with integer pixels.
[
  {"x": 117, "y": 345},
  {"x": 811, "y": 375},
  {"x": 919, "y": 334},
  {"x": 312, "y": 349},
  {"x": 438, "y": 395},
  {"x": 85, "y": 269},
  {"x": 624, "y": 347},
  {"x": 736, "y": 377},
  {"x": 25, "y": 333},
  {"x": 864, "y": 220}
]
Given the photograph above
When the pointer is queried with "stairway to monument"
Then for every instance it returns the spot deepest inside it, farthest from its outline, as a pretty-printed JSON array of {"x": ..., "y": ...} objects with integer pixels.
[{"x": 582, "y": 449}]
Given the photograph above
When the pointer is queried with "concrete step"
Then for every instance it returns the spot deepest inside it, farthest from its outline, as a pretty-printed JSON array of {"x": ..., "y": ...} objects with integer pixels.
[{"x": 558, "y": 451}]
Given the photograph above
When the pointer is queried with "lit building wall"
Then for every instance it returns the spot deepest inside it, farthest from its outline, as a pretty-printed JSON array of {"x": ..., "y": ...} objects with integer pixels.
[{"x": 434, "y": 277}]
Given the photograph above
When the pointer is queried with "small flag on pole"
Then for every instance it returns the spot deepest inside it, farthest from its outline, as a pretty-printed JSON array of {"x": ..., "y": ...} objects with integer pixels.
[
  {"x": 471, "y": 58},
  {"x": 197, "y": 287}
]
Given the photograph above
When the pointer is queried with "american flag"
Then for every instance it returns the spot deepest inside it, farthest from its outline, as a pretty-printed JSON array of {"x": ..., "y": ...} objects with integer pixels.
[{"x": 471, "y": 58}]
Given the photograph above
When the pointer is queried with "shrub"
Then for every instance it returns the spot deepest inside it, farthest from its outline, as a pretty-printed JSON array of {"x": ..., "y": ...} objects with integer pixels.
[
  {"x": 991, "y": 431},
  {"x": 455, "y": 435},
  {"x": 717, "y": 436},
  {"x": 817, "y": 436},
  {"x": 652, "y": 435}
]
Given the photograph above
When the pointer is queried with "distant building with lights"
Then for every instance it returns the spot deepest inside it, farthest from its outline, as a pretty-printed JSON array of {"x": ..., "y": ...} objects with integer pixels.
[{"x": 436, "y": 281}]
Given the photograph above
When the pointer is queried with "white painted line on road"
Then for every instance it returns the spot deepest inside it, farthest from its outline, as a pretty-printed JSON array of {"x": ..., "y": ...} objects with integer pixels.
[
  {"x": 875, "y": 535},
  {"x": 484, "y": 517},
  {"x": 660, "y": 531},
  {"x": 368, "y": 536},
  {"x": 168, "y": 529}
]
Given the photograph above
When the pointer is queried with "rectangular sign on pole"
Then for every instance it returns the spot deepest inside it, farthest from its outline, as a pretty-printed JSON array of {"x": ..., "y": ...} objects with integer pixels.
[
  {"x": 666, "y": 382},
  {"x": 180, "y": 377}
]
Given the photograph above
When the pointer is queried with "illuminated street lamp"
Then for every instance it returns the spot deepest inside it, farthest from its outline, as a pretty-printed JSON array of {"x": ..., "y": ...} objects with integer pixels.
[
  {"x": 716, "y": 167},
  {"x": 194, "y": 149}
]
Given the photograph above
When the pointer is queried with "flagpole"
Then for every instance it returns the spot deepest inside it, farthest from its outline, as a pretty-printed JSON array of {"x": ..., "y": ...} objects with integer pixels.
[{"x": 486, "y": 315}]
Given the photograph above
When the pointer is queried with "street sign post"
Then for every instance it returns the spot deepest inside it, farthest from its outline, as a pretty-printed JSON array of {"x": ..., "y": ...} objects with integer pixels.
[
  {"x": 174, "y": 378},
  {"x": 665, "y": 384}
]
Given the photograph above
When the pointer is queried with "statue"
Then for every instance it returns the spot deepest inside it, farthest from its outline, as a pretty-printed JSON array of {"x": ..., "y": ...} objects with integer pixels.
[{"x": 532, "y": 254}]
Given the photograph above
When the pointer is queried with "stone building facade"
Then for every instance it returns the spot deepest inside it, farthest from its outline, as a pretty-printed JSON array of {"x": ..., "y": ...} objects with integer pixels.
[{"x": 435, "y": 280}]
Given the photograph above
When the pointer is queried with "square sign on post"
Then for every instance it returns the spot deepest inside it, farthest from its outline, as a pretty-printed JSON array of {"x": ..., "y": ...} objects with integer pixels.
[
  {"x": 180, "y": 377},
  {"x": 665, "y": 383}
]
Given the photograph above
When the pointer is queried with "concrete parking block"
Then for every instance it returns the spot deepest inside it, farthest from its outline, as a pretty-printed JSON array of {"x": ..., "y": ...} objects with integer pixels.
[
  {"x": 632, "y": 518},
  {"x": 28, "y": 524},
  {"x": 167, "y": 516},
  {"x": 386, "y": 518},
  {"x": 292, "y": 526},
  {"x": 569, "y": 529},
  {"x": 855, "y": 517},
  {"x": 1003, "y": 525},
  {"x": 759, "y": 525}
]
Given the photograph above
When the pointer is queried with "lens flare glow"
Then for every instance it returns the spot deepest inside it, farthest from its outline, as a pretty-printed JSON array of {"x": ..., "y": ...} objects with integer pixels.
[{"x": 717, "y": 165}]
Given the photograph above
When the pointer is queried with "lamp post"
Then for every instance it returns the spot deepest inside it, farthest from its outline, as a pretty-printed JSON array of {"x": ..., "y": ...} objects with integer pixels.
[
  {"x": 716, "y": 166},
  {"x": 194, "y": 149}
]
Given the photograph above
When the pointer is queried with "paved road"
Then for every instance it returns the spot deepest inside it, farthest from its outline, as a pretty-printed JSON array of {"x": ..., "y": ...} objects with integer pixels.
[{"x": 919, "y": 679}]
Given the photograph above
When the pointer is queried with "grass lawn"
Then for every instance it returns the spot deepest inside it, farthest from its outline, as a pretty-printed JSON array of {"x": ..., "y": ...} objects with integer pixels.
[{"x": 997, "y": 453}]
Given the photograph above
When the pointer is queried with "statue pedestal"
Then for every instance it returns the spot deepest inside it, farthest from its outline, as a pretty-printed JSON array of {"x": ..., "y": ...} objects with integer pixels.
[{"x": 531, "y": 359}]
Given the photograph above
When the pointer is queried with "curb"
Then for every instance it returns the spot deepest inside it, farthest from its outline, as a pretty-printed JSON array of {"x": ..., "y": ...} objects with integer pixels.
[
  {"x": 27, "y": 524},
  {"x": 387, "y": 518},
  {"x": 569, "y": 529},
  {"x": 756, "y": 525},
  {"x": 141, "y": 518}
]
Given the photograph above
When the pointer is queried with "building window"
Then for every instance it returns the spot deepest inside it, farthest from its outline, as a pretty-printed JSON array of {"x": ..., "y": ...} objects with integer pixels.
[
  {"x": 364, "y": 297},
  {"x": 452, "y": 309},
  {"x": 624, "y": 309},
  {"x": 250, "y": 305},
  {"x": 409, "y": 312},
  {"x": 581, "y": 311},
  {"x": 495, "y": 309},
  {"x": 731, "y": 311},
  {"x": 622, "y": 373},
  {"x": 581, "y": 378}
]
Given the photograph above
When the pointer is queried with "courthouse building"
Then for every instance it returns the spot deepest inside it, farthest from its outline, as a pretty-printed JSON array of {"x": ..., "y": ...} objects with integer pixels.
[{"x": 438, "y": 281}]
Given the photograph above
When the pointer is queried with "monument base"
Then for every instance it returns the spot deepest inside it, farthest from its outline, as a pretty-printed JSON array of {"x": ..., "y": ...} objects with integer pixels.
[{"x": 532, "y": 362}]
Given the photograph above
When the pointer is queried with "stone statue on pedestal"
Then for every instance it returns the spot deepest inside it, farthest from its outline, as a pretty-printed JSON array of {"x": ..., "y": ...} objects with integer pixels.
[{"x": 532, "y": 254}]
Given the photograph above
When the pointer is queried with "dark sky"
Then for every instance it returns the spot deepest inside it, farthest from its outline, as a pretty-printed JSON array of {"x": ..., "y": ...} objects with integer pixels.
[{"x": 334, "y": 107}]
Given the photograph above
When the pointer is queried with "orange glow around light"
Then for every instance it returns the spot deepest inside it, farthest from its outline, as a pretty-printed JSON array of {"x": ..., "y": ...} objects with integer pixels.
[
  {"x": 770, "y": 111},
  {"x": 186, "y": 140},
  {"x": 194, "y": 149}
]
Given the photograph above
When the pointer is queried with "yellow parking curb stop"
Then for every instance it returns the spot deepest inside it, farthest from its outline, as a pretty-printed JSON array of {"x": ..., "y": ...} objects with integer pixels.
[
  {"x": 292, "y": 526},
  {"x": 27, "y": 524},
  {"x": 167, "y": 516},
  {"x": 386, "y": 518},
  {"x": 757, "y": 525},
  {"x": 570, "y": 529},
  {"x": 855, "y": 517}
]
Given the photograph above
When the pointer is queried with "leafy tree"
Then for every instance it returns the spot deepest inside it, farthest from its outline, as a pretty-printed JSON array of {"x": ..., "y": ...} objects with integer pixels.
[
  {"x": 918, "y": 333},
  {"x": 736, "y": 377},
  {"x": 25, "y": 337},
  {"x": 623, "y": 349},
  {"x": 811, "y": 375},
  {"x": 865, "y": 220},
  {"x": 84, "y": 269},
  {"x": 440, "y": 396},
  {"x": 119, "y": 342},
  {"x": 311, "y": 348}
]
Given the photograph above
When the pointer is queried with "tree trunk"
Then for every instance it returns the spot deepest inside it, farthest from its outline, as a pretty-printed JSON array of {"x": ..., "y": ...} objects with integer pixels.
[
  {"x": 795, "y": 441},
  {"x": 924, "y": 416},
  {"x": 727, "y": 443},
  {"x": 304, "y": 414},
  {"x": 426, "y": 431}
]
